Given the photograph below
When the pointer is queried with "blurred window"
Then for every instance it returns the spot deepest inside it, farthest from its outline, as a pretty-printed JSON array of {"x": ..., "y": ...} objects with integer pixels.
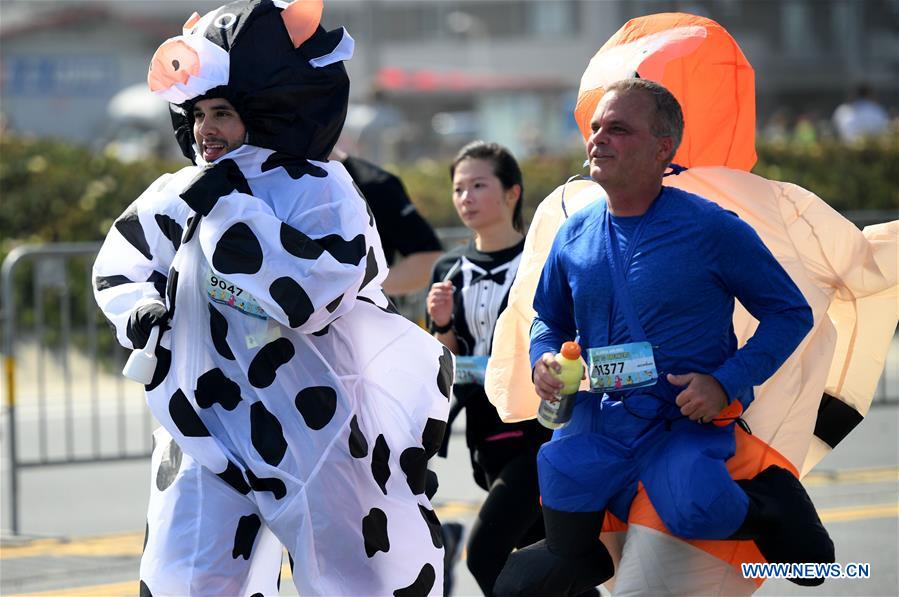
[
  {"x": 410, "y": 21},
  {"x": 550, "y": 18}
]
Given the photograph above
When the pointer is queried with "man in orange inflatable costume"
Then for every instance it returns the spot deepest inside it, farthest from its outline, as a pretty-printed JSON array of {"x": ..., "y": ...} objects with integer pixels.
[{"x": 847, "y": 276}]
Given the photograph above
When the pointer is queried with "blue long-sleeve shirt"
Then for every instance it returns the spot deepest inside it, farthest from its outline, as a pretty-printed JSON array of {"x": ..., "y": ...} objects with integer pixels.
[{"x": 691, "y": 261}]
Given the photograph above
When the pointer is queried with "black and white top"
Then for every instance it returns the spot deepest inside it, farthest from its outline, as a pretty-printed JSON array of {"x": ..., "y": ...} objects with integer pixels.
[{"x": 482, "y": 281}]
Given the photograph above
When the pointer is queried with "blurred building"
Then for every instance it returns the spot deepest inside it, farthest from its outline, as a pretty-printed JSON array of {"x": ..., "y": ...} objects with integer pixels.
[{"x": 429, "y": 75}]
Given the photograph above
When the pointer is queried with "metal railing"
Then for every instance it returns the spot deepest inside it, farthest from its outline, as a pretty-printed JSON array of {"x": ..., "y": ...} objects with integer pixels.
[{"x": 65, "y": 402}]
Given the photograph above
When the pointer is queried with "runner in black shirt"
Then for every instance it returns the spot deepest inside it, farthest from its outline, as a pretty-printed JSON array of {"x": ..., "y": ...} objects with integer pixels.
[{"x": 401, "y": 227}]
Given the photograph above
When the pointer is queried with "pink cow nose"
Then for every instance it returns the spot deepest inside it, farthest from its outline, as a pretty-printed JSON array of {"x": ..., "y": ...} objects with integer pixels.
[{"x": 174, "y": 62}]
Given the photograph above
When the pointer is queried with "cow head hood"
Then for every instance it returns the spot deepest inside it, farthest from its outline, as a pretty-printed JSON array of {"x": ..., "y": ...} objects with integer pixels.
[
  {"x": 273, "y": 61},
  {"x": 702, "y": 65}
]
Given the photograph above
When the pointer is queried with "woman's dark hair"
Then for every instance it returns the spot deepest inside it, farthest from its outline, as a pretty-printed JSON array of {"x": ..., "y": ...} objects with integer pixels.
[{"x": 505, "y": 168}]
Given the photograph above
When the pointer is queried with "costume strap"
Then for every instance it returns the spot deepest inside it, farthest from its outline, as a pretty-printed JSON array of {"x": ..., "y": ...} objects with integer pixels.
[
  {"x": 620, "y": 292},
  {"x": 565, "y": 187},
  {"x": 674, "y": 169}
]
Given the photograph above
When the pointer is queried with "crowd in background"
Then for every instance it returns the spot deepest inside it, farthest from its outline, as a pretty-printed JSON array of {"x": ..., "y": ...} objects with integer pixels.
[{"x": 860, "y": 117}]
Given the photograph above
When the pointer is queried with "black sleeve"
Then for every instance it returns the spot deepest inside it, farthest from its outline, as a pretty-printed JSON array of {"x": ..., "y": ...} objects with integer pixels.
[
  {"x": 400, "y": 225},
  {"x": 399, "y": 220},
  {"x": 415, "y": 235}
]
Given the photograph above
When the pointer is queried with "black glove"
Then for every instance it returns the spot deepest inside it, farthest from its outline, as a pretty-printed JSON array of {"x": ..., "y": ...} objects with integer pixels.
[{"x": 143, "y": 319}]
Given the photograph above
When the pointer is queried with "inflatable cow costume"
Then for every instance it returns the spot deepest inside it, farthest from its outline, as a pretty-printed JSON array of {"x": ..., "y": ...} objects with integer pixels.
[{"x": 297, "y": 407}]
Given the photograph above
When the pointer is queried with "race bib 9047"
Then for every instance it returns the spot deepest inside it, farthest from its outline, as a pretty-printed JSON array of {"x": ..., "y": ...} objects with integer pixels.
[
  {"x": 621, "y": 367},
  {"x": 224, "y": 292}
]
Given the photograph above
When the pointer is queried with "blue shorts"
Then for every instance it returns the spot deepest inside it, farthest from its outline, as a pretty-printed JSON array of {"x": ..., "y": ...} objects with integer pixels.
[{"x": 596, "y": 461}]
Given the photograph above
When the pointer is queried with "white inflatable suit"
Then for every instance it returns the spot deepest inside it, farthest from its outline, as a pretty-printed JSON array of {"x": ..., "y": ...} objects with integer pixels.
[{"x": 298, "y": 407}]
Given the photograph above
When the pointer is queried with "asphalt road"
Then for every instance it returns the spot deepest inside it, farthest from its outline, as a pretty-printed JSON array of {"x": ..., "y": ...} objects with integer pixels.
[{"x": 83, "y": 524}]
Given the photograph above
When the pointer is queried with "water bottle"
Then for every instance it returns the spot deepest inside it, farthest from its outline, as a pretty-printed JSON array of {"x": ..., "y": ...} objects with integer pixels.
[
  {"x": 141, "y": 364},
  {"x": 554, "y": 415}
]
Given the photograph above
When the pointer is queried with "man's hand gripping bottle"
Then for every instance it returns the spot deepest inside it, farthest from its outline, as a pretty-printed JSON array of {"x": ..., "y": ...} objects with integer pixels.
[{"x": 554, "y": 415}]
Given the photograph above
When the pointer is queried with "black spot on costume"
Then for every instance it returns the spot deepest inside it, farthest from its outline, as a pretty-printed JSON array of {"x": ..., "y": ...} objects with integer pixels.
[
  {"x": 214, "y": 388},
  {"x": 245, "y": 536},
  {"x": 317, "y": 405}
]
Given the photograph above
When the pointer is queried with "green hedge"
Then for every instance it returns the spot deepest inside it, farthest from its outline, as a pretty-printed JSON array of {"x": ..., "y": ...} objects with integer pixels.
[
  {"x": 51, "y": 191},
  {"x": 857, "y": 177}
]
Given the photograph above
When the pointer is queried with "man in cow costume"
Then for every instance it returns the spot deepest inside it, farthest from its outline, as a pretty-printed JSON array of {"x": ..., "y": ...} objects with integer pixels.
[{"x": 297, "y": 407}]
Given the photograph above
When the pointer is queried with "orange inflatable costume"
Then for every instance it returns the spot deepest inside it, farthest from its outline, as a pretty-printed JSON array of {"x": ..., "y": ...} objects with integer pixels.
[{"x": 848, "y": 277}]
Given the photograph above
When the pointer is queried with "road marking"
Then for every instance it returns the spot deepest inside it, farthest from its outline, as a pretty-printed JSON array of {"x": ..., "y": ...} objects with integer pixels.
[
  {"x": 131, "y": 544},
  {"x": 456, "y": 508},
  {"x": 848, "y": 513},
  {"x": 857, "y": 475},
  {"x": 134, "y": 542},
  {"x": 126, "y": 544},
  {"x": 119, "y": 589}
]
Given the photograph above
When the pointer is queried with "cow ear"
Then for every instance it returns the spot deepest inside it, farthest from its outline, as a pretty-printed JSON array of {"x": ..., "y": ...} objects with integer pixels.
[
  {"x": 302, "y": 18},
  {"x": 189, "y": 23}
]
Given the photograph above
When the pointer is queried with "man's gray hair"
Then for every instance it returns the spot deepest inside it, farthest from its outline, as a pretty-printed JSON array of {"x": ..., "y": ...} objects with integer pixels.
[{"x": 669, "y": 118}]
